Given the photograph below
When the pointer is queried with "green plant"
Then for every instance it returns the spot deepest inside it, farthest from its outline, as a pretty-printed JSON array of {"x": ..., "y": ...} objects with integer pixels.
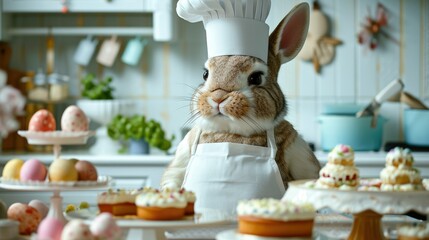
[
  {"x": 123, "y": 128},
  {"x": 95, "y": 89}
]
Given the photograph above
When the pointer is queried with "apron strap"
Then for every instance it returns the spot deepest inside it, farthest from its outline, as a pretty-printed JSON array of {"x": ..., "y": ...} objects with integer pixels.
[
  {"x": 271, "y": 142},
  {"x": 195, "y": 143}
]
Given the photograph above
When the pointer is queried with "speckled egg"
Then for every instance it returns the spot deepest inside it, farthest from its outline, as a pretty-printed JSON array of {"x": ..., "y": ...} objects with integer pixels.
[
  {"x": 27, "y": 216},
  {"x": 105, "y": 227},
  {"x": 74, "y": 120},
  {"x": 42, "y": 121},
  {"x": 40, "y": 206},
  {"x": 86, "y": 171},
  {"x": 12, "y": 169},
  {"x": 33, "y": 170},
  {"x": 76, "y": 229},
  {"x": 50, "y": 228}
]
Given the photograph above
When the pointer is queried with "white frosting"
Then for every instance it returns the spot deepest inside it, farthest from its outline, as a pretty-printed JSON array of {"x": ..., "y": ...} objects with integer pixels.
[
  {"x": 426, "y": 184},
  {"x": 161, "y": 199},
  {"x": 189, "y": 195},
  {"x": 338, "y": 174},
  {"x": 420, "y": 231},
  {"x": 270, "y": 208},
  {"x": 390, "y": 173},
  {"x": 401, "y": 187},
  {"x": 399, "y": 156},
  {"x": 340, "y": 152},
  {"x": 119, "y": 196}
]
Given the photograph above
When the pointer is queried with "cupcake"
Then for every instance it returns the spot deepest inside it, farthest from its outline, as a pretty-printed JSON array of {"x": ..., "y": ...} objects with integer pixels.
[
  {"x": 161, "y": 205},
  {"x": 275, "y": 218},
  {"x": 190, "y": 199},
  {"x": 118, "y": 203}
]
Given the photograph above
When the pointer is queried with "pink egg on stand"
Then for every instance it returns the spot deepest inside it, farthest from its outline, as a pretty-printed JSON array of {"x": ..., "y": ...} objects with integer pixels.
[
  {"x": 50, "y": 228},
  {"x": 74, "y": 120},
  {"x": 33, "y": 170}
]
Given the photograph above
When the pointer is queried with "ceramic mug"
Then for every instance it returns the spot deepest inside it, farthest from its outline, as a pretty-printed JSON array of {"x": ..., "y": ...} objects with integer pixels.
[
  {"x": 133, "y": 51},
  {"x": 85, "y": 50},
  {"x": 108, "y": 52}
]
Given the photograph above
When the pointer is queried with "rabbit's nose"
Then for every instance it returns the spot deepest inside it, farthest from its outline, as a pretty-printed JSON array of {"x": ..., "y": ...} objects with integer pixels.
[{"x": 219, "y": 95}]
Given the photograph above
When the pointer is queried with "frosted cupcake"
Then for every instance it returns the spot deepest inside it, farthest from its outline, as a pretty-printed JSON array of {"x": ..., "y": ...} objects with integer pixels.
[{"x": 414, "y": 232}]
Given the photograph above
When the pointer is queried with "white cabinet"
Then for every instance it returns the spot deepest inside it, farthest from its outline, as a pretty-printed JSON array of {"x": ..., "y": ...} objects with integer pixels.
[
  {"x": 78, "y": 6},
  {"x": 162, "y": 26}
]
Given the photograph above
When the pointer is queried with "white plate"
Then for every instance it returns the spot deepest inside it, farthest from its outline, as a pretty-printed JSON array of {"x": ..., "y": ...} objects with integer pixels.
[
  {"x": 56, "y": 137},
  {"x": 234, "y": 235},
  {"x": 103, "y": 181}
]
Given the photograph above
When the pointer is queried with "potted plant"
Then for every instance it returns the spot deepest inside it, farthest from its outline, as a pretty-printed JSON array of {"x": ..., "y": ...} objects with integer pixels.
[{"x": 136, "y": 134}]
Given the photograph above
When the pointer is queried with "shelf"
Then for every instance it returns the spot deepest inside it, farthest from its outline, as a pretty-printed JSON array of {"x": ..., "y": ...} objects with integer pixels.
[{"x": 76, "y": 31}]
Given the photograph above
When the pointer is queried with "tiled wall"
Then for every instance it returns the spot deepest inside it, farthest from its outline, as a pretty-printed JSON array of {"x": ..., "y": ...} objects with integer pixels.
[{"x": 168, "y": 72}]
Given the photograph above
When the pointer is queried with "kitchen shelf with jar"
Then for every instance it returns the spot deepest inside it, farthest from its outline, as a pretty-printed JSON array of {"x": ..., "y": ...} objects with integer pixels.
[{"x": 162, "y": 25}]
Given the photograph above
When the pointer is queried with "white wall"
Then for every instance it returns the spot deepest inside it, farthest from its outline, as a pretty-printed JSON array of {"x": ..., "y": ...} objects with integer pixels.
[{"x": 164, "y": 79}]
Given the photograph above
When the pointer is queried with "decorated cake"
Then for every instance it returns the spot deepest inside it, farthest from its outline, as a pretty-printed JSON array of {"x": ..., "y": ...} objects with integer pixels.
[
  {"x": 413, "y": 232},
  {"x": 399, "y": 173},
  {"x": 165, "y": 205},
  {"x": 119, "y": 203},
  {"x": 275, "y": 218},
  {"x": 190, "y": 198},
  {"x": 340, "y": 171}
]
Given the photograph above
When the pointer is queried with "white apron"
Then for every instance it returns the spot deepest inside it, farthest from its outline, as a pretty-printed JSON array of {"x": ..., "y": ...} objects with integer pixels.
[{"x": 221, "y": 174}]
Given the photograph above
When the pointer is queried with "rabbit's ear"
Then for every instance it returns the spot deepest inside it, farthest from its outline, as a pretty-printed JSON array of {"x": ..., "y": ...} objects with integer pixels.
[{"x": 289, "y": 36}]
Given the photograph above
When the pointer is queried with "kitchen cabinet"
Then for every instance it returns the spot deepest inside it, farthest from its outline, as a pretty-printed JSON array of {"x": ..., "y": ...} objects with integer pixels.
[
  {"x": 78, "y": 6},
  {"x": 162, "y": 27}
]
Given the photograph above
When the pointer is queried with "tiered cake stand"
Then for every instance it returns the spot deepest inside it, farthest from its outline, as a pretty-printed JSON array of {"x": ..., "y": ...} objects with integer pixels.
[
  {"x": 56, "y": 138},
  {"x": 367, "y": 207}
]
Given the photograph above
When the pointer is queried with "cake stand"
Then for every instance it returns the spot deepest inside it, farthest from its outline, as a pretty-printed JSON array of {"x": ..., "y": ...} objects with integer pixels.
[
  {"x": 55, "y": 138},
  {"x": 367, "y": 207}
]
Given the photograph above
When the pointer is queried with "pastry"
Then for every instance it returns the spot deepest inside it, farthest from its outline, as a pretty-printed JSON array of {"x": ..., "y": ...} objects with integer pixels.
[
  {"x": 27, "y": 216},
  {"x": 118, "y": 203},
  {"x": 74, "y": 120},
  {"x": 161, "y": 205},
  {"x": 399, "y": 173},
  {"x": 12, "y": 169},
  {"x": 190, "y": 199},
  {"x": 50, "y": 228},
  {"x": 76, "y": 229},
  {"x": 42, "y": 121},
  {"x": 340, "y": 171},
  {"x": 105, "y": 227},
  {"x": 275, "y": 218},
  {"x": 414, "y": 232},
  {"x": 33, "y": 170}
]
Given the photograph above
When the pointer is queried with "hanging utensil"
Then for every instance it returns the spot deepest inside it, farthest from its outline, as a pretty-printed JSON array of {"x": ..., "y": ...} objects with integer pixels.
[{"x": 389, "y": 91}]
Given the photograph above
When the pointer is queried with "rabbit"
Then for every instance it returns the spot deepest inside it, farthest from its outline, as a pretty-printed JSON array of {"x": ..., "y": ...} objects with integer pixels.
[{"x": 240, "y": 100}]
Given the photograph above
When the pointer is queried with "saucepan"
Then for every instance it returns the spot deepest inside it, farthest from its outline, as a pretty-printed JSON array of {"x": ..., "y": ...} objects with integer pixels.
[
  {"x": 416, "y": 121},
  {"x": 339, "y": 125}
]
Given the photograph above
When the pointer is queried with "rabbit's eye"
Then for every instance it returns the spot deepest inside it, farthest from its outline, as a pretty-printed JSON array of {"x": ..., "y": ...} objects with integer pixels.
[
  {"x": 255, "y": 78},
  {"x": 205, "y": 74}
]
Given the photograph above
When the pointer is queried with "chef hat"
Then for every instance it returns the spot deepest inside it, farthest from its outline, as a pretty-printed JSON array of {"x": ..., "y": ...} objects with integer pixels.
[{"x": 233, "y": 27}]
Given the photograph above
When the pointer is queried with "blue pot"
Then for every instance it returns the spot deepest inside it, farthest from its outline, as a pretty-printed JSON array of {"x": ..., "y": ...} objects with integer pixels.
[
  {"x": 140, "y": 146},
  {"x": 350, "y": 130},
  {"x": 416, "y": 127}
]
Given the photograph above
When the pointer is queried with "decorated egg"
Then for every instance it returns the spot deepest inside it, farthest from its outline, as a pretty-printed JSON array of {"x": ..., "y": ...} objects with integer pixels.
[
  {"x": 33, "y": 170},
  {"x": 42, "y": 121},
  {"x": 74, "y": 120},
  {"x": 76, "y": 229},
  {"x": 50, "y": 228},
  {"x": 63, "y": 170},
  {"x": 12, "y": 169},
  {"x": 27, "y": 216},
  {"x": 40, "y": 206},
  {"x": 86, "y": 171},
  {"x": 105, "y": 227}
]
